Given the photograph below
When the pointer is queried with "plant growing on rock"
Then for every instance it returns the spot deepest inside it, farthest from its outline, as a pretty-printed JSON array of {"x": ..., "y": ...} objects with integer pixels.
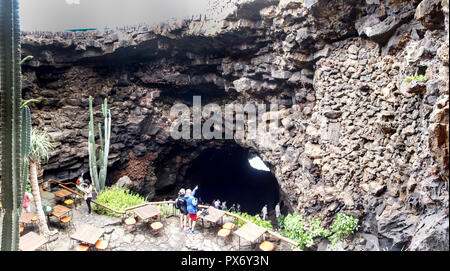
[
  {"x": 343, "y": 226},
  {"x": 416, "y": 77},
  {"x": 302, "y": 231},
  {"x": 99, "y": 178}
]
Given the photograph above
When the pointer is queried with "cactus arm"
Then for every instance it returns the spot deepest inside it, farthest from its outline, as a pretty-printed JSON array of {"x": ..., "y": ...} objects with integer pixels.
[
  {"x": 103, "y": 171},
  {"x": 92, "y": 148},
  {"x": 99, "y": 178},
  {"x": 100, "y": 135},
  {"x": 25, "y": 148},
  {"x": 28, "y": 58},
  {"x": 27, "y": 102}
]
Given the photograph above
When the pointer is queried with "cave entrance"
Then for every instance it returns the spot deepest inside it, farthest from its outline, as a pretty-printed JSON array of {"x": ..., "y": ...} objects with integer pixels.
[{"x": 226, "y": 174}]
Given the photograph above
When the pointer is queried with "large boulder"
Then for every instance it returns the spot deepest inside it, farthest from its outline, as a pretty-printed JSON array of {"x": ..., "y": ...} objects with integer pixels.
[{"x": 431, "y": 233}]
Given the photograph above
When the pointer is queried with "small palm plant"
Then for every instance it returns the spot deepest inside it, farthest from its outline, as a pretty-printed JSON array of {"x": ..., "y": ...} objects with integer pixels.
[{"x": 40, "y": 147}]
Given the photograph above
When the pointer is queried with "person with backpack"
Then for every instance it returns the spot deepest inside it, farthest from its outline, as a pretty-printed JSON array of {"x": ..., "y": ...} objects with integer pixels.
[
  {"x": 192, "y": 204},
  {"x": 180, "y": 204}
]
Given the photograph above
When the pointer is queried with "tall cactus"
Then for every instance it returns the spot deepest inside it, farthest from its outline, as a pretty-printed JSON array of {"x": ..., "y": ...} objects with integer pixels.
[
  {"x": 25, "y": 147},
  {"x": 99, "y": 178},
  {"x": 11, "y": 92}
]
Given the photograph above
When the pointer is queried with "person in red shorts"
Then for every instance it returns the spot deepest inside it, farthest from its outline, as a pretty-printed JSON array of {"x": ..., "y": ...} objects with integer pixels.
[{"x": 192, "y": 203}]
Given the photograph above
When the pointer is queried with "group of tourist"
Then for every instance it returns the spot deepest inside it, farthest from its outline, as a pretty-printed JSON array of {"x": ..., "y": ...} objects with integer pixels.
[
  {"x": 263, "y": 214},
  {"x": 234, "y": 208},
  {"x": 187, "y": 203}
]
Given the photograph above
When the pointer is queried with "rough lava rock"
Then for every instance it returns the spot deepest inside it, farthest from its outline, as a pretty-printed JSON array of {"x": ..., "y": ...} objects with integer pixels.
[{"x": 353, "y": 137}]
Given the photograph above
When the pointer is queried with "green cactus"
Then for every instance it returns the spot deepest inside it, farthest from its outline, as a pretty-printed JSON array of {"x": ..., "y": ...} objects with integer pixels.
[
  {"x": 99, "y": 178},
  {"x": 11, "y": 93},
  {"x": 25, "y": 147}
]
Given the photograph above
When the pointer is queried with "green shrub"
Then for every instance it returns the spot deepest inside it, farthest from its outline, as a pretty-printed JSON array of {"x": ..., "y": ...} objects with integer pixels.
[
  {"x": 416, "y": 77},
  {"x": 254, "y": 219},
  {"x": 343, "y": 226},
  {"x": 118, "y": 199},
  {"x": 280, "y": 221},
  {"x": 167, "y": 209},
  {"x": 302, "y": 231}
]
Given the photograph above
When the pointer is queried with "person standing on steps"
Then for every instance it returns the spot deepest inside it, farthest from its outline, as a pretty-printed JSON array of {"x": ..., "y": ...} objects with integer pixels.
[
  {"x": 192, "y": 204},
  {"x": 86, "y": 188},
  {"x": 180, "y": 203}
]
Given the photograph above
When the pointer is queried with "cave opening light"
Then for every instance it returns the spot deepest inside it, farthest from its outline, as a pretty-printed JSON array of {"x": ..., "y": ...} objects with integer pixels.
[{"x": 257, "y": 163}]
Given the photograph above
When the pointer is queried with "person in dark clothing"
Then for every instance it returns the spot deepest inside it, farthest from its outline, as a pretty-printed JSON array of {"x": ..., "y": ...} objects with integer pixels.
[
  {"x": 180, "y": 203},
  {"x": 238, "y": 208},
  {"x": 233, "y": 208}
]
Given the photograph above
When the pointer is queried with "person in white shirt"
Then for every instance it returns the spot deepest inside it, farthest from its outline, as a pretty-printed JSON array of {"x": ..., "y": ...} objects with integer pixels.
[
  {"x": 86, "y": 188},
  {"x": 264, "y": 212},
  {"x": 277, "y": 210}
]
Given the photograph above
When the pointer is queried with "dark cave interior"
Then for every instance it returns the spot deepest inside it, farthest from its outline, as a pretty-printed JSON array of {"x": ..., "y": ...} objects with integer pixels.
[{"x": 226, "y": 174}]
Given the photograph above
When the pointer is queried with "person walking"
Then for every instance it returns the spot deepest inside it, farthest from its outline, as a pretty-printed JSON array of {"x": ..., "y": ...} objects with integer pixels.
[
  {"x": 180, "y": 204},
  {"x": 192, "y": 204},
  {"x": 264, "y": 212},
  {"x": 277, "y": 210},
  {"x": 224, "y": 206},
  {"x": 86, "y": 188}
]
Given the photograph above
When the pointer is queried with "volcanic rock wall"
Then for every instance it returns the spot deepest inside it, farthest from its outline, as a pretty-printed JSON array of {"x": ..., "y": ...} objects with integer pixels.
[{"x": 354, "y": 137}]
